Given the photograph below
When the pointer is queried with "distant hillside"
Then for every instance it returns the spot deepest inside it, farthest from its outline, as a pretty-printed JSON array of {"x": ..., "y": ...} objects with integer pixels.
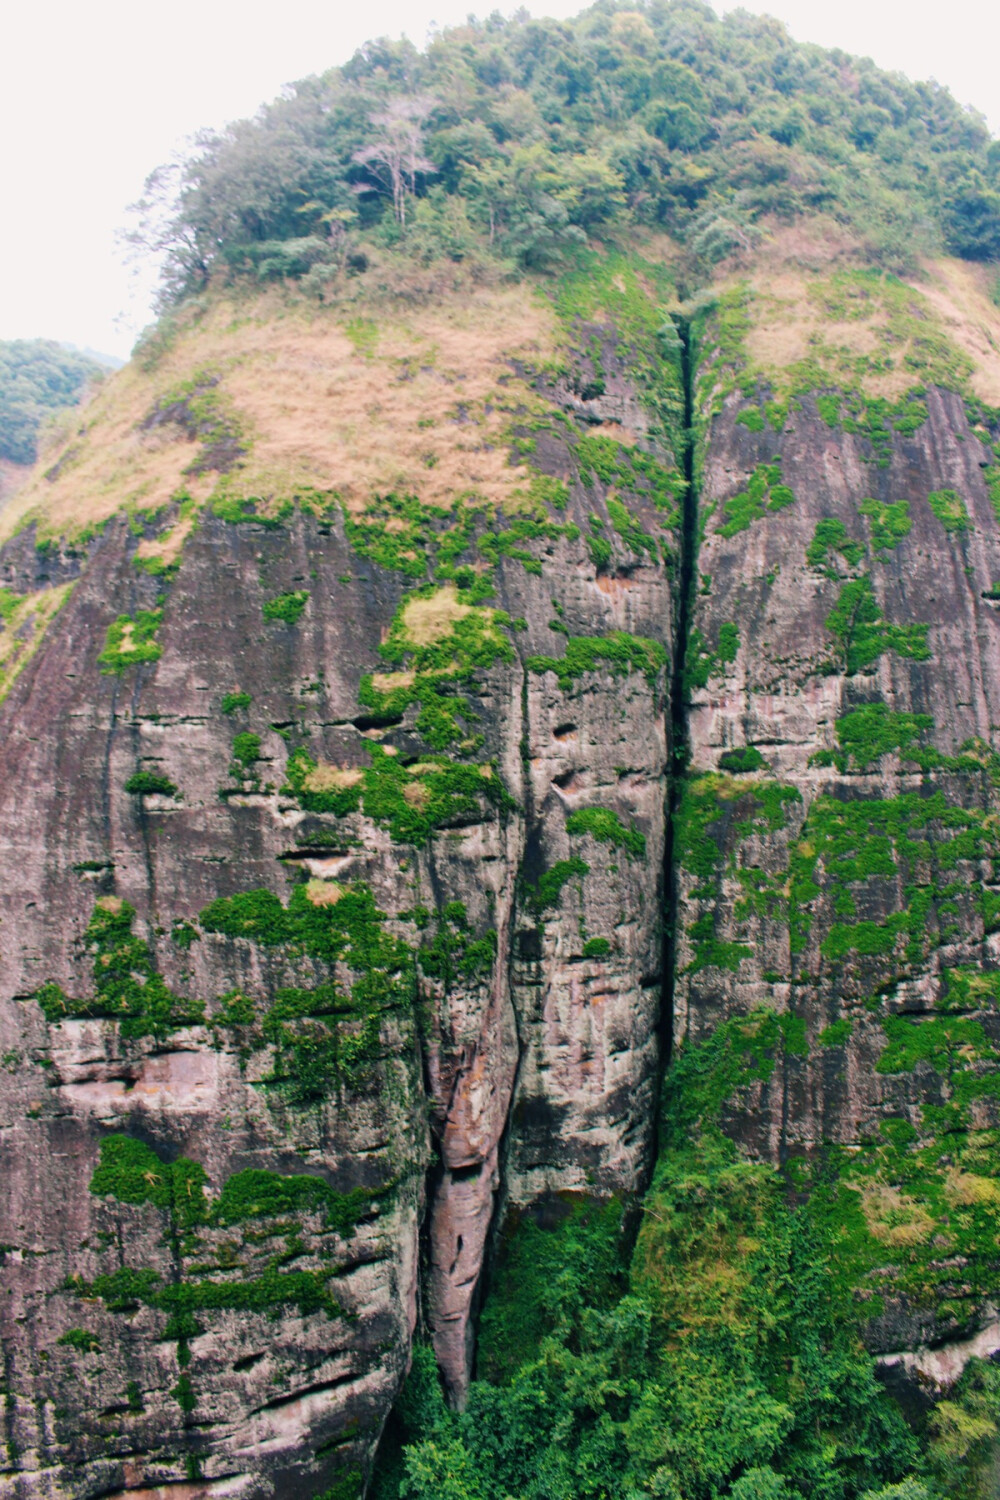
[{"x": 37, "y": 377}]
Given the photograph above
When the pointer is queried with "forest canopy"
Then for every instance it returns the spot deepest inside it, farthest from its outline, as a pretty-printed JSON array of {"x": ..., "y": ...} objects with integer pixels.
[
  {"x": 37, "y": 377},
  {"x": 514, "y": 140}
]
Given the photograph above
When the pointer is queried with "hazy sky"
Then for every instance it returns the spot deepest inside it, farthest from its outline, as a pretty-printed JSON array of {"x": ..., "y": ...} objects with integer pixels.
[{"x": 94, "y": 93}]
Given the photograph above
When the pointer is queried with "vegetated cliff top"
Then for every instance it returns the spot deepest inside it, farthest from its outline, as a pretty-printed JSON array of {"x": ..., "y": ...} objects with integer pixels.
[
  {"x": 362, "y": 283},
  {"x": 512, "y": 141}
]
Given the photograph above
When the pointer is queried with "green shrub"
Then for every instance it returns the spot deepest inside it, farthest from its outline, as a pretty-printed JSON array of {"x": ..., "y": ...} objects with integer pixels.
[
  {"x": 605, "y": 825},
  {"x": 286, "y": 607},
  {"x": 146, "y": 783},
  {"x": 130, "y": 641},
  {"x": 235, "y": 702}
]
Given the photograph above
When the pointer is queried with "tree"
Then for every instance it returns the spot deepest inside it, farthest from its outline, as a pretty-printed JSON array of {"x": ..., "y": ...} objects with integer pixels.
[{"x": 395, "y": 157}]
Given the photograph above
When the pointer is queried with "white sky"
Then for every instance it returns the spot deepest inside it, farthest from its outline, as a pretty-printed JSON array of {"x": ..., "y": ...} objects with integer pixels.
[{"x": 95, "y": 93}]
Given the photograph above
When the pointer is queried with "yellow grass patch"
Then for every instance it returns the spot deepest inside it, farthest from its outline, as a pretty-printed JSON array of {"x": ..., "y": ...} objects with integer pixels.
[
  {"x": 423, "y": 408},
  {"x": 168, "y": 547},
  {"x": 431, "y": 618},
  {"x": 25, "y": 622},
  {"x": 326, "y": 778},
  {"x": 384, "y": 682},
  {"x": 893, "y": 1217},
  {"x": 110, "y": 904},
  {"x": 965, "y": 1189},
  {"x": 323, "y": 892},
  {"x": 960, "y": 294},
  {"x": 417, "y": 794}
]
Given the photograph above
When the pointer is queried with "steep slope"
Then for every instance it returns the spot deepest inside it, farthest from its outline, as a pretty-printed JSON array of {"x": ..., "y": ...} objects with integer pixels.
[{"x": 333, "y": 842}]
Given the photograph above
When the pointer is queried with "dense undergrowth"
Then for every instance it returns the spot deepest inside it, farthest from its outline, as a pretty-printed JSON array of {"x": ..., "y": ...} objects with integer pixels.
[{"x": 721, "y": 1357}]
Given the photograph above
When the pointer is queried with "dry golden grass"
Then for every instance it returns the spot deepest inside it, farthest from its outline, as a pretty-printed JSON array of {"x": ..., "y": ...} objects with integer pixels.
[
  {"x": 23, "y": 629},
  {"x": 893, "y": 1217},
  {"x": 430, "y": 619},
  {"x": 168, "y": 547},
  {"x": 323, "y": 892},
  {"x": 420, "y": 405},
  {"x": 790, "y": 323},
  {"x": 326, "y": 778},
  {"x": 966, "y": 1189},
  {"x": 385, "y": 682},
  {"x": 787, "y": 324},
  {"x": 960, "y": 294}
]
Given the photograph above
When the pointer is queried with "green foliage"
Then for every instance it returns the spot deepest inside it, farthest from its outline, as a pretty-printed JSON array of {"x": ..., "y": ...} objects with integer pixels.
[
  {"x": 745, "y": 760},
  {"x": 604, "y": 824},
  {"x": 597, "y": 947},
  {"x": 545, "y": 1277},
  {"x": 863, "y": 635},
  {"x": 617, "y": 653},
  {"x": 286, "y": 607},
  {"x": 130, "y": 641},
  {"x": 831, "y": 536},
  {"x": 949, "y": 507},
  {"x": 235, "y": 702},
  {"x": 690, "y": 121},
  {"x": 81, "y": 1340},
  {"x": 891, "y": 522},
  {"x": 246, "y": 748},
  {"x": 411, "y": 801},
  {"x": 546, "y": 893},
  {"x": 763, "y": 495},
  {"x": 144, "y": 783},
  {"x": 127, "y": 987},
  {"x": 837, "y": 1034},
  {"x": 452, "y": 954},
  {"x": 37, "y": 378}
]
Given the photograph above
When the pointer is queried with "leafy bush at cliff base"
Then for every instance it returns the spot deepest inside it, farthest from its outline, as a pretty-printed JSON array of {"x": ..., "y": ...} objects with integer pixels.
[{"x": 722, "y": 1359}]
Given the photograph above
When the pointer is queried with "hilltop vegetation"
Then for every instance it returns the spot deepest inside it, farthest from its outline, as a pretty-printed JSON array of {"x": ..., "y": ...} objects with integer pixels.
[
  {"x": 37, "y": 377},
  {"x": 514, "y": 141}
]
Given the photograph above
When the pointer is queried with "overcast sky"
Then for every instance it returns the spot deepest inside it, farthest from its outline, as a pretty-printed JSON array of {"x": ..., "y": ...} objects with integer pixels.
[{"x": 94, "y": 93}]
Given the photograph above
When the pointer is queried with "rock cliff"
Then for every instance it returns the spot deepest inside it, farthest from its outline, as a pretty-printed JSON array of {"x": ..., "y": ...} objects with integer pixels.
[{"x": 413, "y": 726}]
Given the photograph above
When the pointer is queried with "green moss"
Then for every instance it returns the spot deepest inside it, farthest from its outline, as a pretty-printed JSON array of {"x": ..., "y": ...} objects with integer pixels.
[
  {"x": 597, "y": 947},
  {"x": 246, "y": 748},
  {"x": 831, "y": 536},
  {"x": 890, "y": 522},
  {"x": 837, "y": 1034},
  {"x": 701, "y": 664},
  {"x": 617, "y": 653},
  {"x": 81, "y": 1340},
  {"x": 916, "y": 841},
  {"x": 450, "y": 953},
  {"x": 763, "y": 495},
  {"x": 941, "y": 1041},
  {"x": 127, "y": 988},
  {"x": 751, "y": 418},
  {"x": 130, "y": 641},
  {"x": 547, "y": 892},
  {"x": 863, "y": 635},
  {"x": 235, "y": 702},
  {"x": 600, "y": 551},
  {"x": 604, "y": 824},
  {"x": 286, "y": 607},
  {"x": 745, "y": 760},
  {"x": 146, "y": 783},
  {"x": 949, "y": 507}
]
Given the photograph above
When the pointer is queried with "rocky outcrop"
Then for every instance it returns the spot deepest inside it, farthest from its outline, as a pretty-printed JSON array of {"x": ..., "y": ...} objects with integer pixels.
[
  {"x": 343, "y": 846},
  {"x": 308, "y": 954}
]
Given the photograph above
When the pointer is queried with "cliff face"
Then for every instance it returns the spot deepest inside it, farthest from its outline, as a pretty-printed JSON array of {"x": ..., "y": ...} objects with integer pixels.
[
  {"x": 338, "y": 873},
  {"x": 332, "y": 905}
]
